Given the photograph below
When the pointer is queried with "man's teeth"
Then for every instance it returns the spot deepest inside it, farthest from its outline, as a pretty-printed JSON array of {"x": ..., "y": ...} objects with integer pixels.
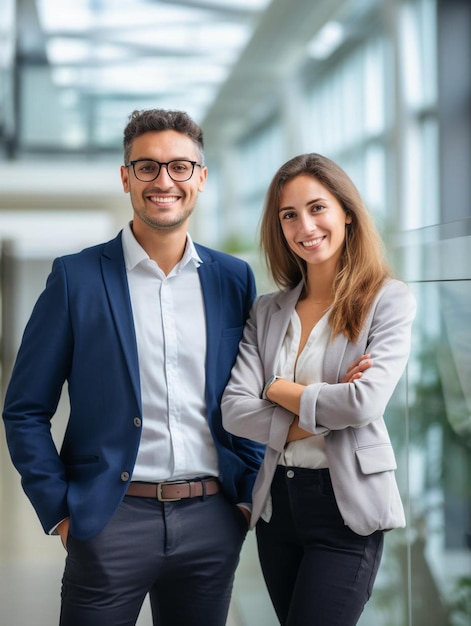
[{"x": 163, "y": 199}]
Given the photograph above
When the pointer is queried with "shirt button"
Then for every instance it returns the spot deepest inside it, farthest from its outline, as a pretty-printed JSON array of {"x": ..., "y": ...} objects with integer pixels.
[
  {"x": 124, "y": 476},
  {"x": 290, "y": 474},
  {"x": 137, "y": 422}
]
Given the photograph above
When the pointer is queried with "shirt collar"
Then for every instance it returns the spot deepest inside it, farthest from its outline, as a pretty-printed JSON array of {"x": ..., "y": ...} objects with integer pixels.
[{"x": 134, "y": 253}]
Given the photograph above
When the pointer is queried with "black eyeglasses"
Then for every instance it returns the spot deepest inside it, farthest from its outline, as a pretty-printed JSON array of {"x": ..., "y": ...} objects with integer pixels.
[{"x": 179, "y": 170}]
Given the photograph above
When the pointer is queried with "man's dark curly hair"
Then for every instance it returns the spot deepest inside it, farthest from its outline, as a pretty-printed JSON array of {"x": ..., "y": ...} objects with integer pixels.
[{"x": 141, "y": 122}]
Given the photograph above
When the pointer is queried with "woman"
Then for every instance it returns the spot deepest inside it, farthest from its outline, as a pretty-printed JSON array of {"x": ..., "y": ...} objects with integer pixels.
[{"x": 317, "y": 365}]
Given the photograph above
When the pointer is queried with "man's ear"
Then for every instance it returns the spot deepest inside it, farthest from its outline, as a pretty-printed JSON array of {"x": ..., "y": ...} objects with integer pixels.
[
  {"x": 202, "y": 178},
  {"x": 125, "y": 178}
]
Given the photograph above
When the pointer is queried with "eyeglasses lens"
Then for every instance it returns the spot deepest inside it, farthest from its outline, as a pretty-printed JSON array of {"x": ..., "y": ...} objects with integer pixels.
[{"x": 177, "y": 170}]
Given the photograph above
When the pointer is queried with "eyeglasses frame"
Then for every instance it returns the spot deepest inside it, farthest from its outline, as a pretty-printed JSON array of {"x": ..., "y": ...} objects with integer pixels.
[{"x": 159, "y": 163}]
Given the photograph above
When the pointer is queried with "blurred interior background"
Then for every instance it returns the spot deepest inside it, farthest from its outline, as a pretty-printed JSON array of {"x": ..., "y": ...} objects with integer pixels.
[{"x": 381, "y": 86}]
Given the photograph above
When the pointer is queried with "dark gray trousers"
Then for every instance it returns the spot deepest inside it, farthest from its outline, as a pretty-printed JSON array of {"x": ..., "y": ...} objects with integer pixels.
[{"x": 184, "y": 554}]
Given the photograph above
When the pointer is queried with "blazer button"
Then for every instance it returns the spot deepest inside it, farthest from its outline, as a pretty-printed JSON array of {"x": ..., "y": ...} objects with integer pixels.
[
  {"x": 137, "y": 422},
  {"x": 125, "y": 476}
]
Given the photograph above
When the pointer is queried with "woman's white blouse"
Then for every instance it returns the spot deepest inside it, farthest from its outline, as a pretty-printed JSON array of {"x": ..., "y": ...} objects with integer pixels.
[{"x": 304, "y": 369}]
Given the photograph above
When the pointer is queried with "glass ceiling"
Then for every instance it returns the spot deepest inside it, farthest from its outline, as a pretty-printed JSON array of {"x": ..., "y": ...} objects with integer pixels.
[{"x": 174, "y": 53}]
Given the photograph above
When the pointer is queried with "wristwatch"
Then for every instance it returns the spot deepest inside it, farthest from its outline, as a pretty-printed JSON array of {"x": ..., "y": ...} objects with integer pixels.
[{"x": 268, "y": 384}]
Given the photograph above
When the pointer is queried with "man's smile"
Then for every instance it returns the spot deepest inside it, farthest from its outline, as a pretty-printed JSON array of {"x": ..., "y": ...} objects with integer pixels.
[{"x": 163, "y": 199}]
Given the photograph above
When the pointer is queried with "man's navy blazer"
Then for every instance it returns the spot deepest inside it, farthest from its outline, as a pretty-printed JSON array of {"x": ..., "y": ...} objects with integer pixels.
[{"x": 81, "y": 331}]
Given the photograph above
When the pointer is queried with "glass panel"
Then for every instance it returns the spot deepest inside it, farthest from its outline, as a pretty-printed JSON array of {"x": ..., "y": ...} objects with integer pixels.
[
  {"x": 259, "y": 158},
  {"x": 374, "y": 87},
  {"x": 172, "y": 55},
  {"x": 425, "y": 576},
  {"x": 7, "y": 50},
  {"x": 418, "y": 47},
  {"x": 440, "y": 456}
]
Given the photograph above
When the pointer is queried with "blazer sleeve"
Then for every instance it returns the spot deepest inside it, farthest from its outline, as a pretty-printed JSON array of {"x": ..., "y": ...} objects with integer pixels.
[
  {"x": 387, "y": 338},
  {"x": 244, "y": 412},
  {"x": 324, "y": 406}
]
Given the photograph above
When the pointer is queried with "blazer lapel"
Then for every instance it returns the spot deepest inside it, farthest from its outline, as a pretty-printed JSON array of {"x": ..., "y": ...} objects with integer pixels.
[
  {"x": 276, "y": 331},
  {"x": 210, "y": 280},
  {"x": 333, "y": 359},
  {"x": 116, "y": 285},
  {"x": 278, "y": 325}
]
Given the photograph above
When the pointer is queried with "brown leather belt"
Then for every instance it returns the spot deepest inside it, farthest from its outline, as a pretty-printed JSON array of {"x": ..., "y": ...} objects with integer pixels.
[{"x": 176, "y": 490}]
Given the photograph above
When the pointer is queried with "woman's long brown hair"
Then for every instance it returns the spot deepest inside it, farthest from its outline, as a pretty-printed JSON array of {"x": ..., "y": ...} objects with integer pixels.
[{"x": 362, "y": 266}]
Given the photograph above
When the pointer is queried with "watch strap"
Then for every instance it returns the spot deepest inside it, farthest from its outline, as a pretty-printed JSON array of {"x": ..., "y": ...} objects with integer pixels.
[{"x": 268, "y": 384}]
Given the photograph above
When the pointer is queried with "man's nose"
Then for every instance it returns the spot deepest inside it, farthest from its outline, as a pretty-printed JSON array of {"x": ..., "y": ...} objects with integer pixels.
[{"x": 163, "y": 175}]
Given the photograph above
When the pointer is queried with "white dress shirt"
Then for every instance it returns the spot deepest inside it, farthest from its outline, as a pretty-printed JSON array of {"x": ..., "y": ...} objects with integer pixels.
[
  {"x": 169, "y": 320},
  {"x": 304, "y": 369}
]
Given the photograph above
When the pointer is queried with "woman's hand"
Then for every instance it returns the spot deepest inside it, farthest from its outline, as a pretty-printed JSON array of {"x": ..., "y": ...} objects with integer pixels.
[
  {"x": 288, "y": 394},
  {"x": 356, "y": 369},
  {"x": 295, "y": 432},
  {"x": 354, "y": 372}
]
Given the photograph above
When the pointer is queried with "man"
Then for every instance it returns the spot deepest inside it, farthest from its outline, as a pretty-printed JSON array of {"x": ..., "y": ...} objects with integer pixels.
[{"x": 149, "y": 493}]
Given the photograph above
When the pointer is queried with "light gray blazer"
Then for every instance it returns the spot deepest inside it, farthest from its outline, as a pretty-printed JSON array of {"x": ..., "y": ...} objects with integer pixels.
[{"x": 358, "y": 447}]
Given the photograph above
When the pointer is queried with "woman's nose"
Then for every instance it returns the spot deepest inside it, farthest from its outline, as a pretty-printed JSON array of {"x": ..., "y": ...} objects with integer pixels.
[{"x": 308, "y": 223}]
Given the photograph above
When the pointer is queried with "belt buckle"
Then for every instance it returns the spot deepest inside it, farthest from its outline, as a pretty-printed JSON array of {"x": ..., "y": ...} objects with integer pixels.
[{"x": 160, "y": 497}]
